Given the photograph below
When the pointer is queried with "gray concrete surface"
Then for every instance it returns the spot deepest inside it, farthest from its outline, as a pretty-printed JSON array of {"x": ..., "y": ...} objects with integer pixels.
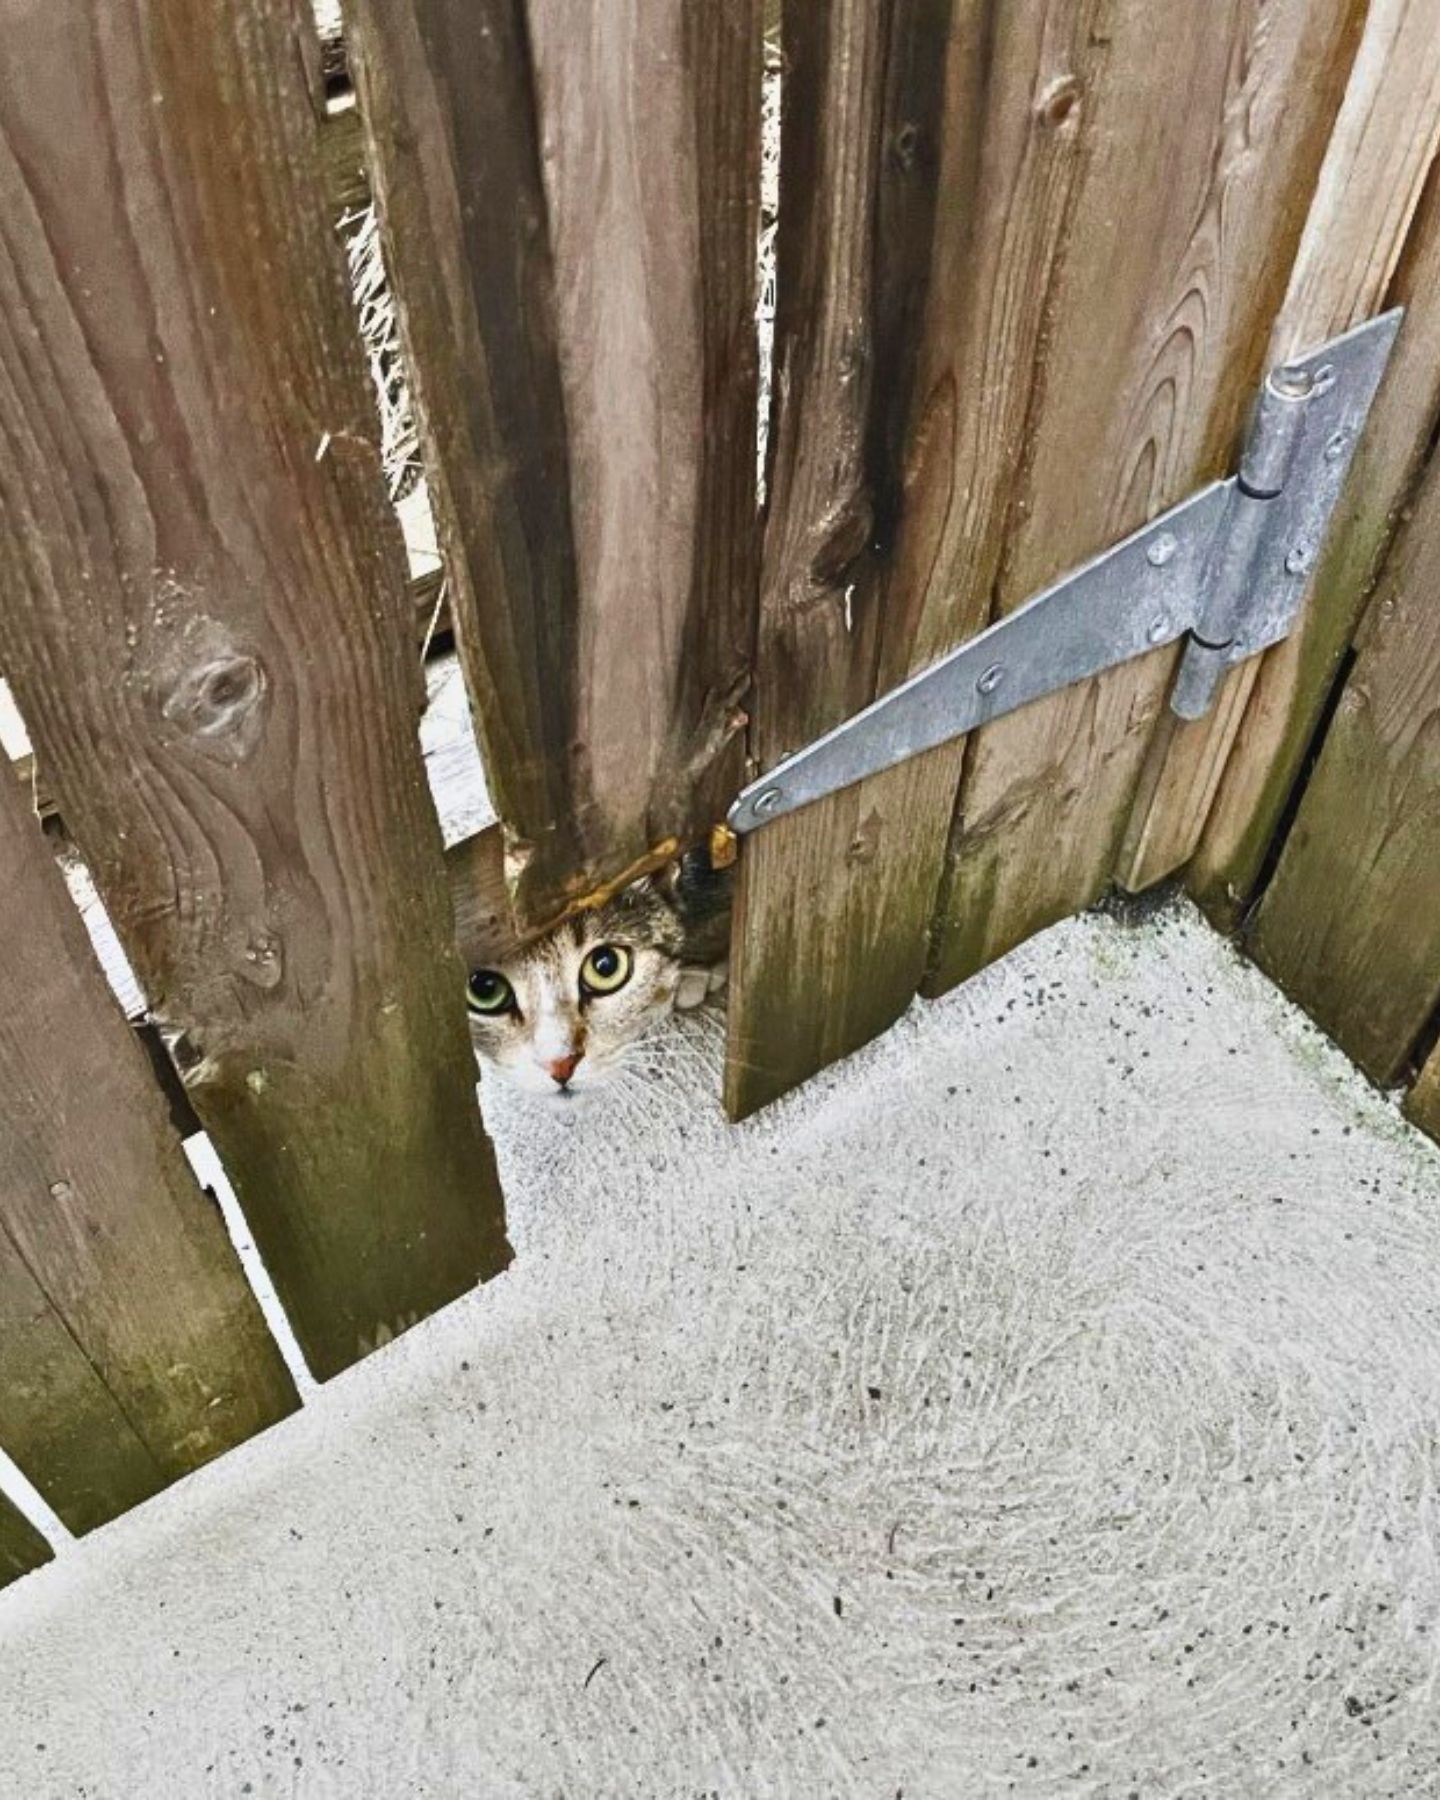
[{"x": 1044, "y": 1403}]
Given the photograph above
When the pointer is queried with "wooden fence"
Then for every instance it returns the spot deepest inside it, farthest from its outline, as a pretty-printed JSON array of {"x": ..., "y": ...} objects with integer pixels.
[{"x": 1033, "y": 259}]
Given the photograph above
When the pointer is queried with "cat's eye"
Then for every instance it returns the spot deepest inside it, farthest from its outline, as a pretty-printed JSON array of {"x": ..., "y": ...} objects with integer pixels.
[
  {"x": 488, "y": 992},
  {"x": 605, "y": 969}
]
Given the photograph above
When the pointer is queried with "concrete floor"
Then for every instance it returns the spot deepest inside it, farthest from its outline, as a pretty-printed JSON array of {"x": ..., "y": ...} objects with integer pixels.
[{"x": 1044, "y": 1403}]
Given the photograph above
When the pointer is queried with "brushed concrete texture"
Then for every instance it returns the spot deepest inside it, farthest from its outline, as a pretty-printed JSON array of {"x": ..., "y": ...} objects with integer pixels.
[{"x": 1043, "y": 1403}]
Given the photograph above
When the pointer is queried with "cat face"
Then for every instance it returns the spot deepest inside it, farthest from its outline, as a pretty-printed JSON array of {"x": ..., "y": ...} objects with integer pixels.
[{"x": 558, "y": 1017}]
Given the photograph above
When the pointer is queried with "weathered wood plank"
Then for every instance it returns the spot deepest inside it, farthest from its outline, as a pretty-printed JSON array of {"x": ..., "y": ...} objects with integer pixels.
[
  {"x": 1296, "y": 679},
  {"x": 1159, "y": 322},
  {"x": 1422, "y": 1103},
  {"x": 206, "y": 625},
  {"x": 906, "y": 342},
  {"x": 131, "y": 1347},
  {"x": 22, "y": 1548},
  {"x": 1350, "y": 924},
  {"x": 570, "y": 197},
  {"x": 484, "y": 923},
  {"x": 1370, "y": 185},
  {"x": 58, "y": 1420}
]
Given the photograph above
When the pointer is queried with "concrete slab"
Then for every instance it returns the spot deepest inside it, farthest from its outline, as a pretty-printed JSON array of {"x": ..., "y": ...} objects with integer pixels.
[{"x": 1044, "y": 1403}]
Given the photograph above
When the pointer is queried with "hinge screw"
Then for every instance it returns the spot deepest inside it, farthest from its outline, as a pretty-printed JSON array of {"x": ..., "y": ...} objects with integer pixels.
[
  {"x": 1299, "y": 560},
  {"x": 1335, "y": 449},
  {"x": 765, "y": 803},
  {"x": 1293, "y": 383},
  {"x": 1161, "y": 550},
  {"x": 1158, "y": 629},
  {"x": 991, "y": 679}
]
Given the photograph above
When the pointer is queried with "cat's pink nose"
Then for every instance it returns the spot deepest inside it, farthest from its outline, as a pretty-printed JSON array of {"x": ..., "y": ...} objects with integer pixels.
[{"x": 562, "y": 1068}]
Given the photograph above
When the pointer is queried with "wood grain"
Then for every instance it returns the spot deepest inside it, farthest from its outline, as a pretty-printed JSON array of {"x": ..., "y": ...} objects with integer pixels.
[
  {"x": 1350, "y": 925},
  {"x": 570, "y": 196},
  {"x": 1296, "y": 679},
  {"x": 205, "y": 621},
  {"x": 21, "y": 1546},
  {"x": 484, "y": 923},
  {"x": 1383, "y": 144},
  {"x": 1422, "y": 1103},
  {"x": 1206, "y": 132},
  {"x": 131, "y": 1347},
  {"x": 926, "y": 173}
]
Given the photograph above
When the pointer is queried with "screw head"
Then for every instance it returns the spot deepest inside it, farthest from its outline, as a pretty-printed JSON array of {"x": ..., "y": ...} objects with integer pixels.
[
  {"x": 1159, "y": 629},
  {"x": 991, "y": 679},
  {"x": 1336, "y": 447},
  {"x": 1292, "y": 384},
  {"x": 1161, "y": 550},
  {"x": 1299, "y": 560},
  {"x": 765, "y": 803}
]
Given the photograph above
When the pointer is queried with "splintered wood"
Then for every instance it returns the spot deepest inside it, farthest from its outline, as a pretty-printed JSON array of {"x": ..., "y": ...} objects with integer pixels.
[{"x": 204, "y": 618}]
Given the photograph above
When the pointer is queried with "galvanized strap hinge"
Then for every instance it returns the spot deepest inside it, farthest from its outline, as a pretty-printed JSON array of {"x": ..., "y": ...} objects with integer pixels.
[{"x": 1225, "y": 570}]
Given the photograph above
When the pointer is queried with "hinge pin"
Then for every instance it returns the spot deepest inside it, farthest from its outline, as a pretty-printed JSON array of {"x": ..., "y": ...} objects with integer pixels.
[{"x": 1236, "y": 571}]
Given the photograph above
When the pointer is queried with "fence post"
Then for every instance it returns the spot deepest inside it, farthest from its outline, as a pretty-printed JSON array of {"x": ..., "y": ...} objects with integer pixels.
[
  {"x": 1297, "y": 678},
  {"x": 131, "y": 1348},
  {"x": 205, "y": 622},
  {"x": 1350, "y": 924},
  {"x": 570, "y": 196},
  {"x": 1358, "y": 225}
]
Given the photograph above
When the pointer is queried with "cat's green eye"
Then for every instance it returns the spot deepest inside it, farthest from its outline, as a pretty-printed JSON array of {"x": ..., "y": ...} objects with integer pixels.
[
  {"x": 606, "y": 969},
  {"x": 489, "y": 993}
]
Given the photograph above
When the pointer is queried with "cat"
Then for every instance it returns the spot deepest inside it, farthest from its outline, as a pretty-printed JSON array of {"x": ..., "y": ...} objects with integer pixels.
[{"x": 562, "y": 1015}]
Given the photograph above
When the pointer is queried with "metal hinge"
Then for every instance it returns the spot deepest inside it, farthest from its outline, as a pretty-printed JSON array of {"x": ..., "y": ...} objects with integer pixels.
[{"x": 1225, "y": 569}]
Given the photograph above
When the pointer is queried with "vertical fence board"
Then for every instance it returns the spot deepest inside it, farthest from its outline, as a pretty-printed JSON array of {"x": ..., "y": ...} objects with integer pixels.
[
  {"x": 21, "y": 1546},
  {"x": 570, "y": 195},
  {"x": 905, "y": 338},
  {"x": 58, "y": 1419},
  {"x": 131, "y": 1347},
  {"x": 205, "y": 621},
  {"x": 1206, "y": 134},
  {"x": 1350, "y": 925},
  {"x": 1295, "y": 679},
  {"x": 1369, "y": 188}
]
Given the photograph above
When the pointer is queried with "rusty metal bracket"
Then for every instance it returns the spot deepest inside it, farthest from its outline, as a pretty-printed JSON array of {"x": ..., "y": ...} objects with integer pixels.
[{"x": 1225, "y": 570}]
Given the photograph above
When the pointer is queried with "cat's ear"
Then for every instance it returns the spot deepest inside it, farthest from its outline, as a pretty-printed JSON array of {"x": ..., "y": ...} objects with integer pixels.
[{"x": 699, "y": 891}]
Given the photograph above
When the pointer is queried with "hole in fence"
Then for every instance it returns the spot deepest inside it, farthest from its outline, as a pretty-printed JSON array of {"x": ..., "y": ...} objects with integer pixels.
[{"x": 765, "y": 285}]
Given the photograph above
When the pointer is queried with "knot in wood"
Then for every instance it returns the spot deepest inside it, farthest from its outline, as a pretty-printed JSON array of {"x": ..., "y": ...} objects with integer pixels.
[
  {"x": 845, "y": 534},
  {"x": 1059, "y": 100},
  {"x": 907, "y": 144},
  {"x": 214, "y": 693},
  {"x": 262, "y": 963}
]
